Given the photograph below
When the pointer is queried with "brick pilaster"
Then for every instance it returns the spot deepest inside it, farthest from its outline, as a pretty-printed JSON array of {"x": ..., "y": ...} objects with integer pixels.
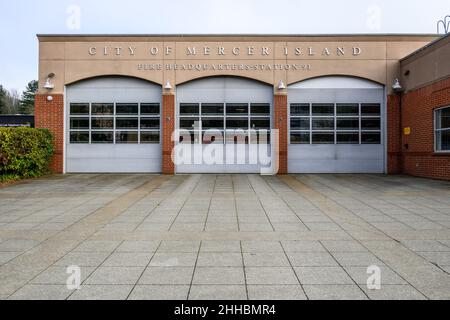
[
  {"x": 281, "y": 123},
  {"x": 50, "y": 115},
  {"x": 168, "y": 127}
]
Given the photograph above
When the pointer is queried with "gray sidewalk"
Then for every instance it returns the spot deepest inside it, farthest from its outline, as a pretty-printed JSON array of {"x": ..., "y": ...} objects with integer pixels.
[{"x": 225, "y": 237}]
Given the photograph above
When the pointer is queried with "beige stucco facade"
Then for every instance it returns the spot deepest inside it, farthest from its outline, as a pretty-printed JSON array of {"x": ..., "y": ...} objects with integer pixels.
[{"x": 179, "y": 59}]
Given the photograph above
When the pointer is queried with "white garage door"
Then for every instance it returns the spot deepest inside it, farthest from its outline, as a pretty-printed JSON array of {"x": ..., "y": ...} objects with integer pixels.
[
  {"x": 113, "y": 126},
  {"x": 336, "y": 125},
  {"x": 228, "y": 118}
]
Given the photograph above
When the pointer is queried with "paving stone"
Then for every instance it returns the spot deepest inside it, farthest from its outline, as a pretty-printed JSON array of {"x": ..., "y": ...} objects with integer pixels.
[
  {"x": 388, "y": 277},
  {"x": 322, "y": 275},
  {"x": 138, "y": 246},
  {"x": 167, "y": 275},
  {"x": 261, "y": 246},
  {"x": 8, "y": 256},
  {"x": 17, "y": 245},
  {"x": 357, "y": 259},
  {"x": 334, "y": 292},
  {"x": 261, "y": 259},
  {"x": 179, "y": 246},
  {"x": 218, "y": 292},
  {"x": 275, "y": 292},
  {"x": 270, "y": 275},
  {"x": 394, "y": 292},
  {"x": 219, "y": 259},
  {"x": 221, "y": 246},
  {"x": 219, "y": 275},
  {"x": 159, "y": 292},
  {"x": 311, "y": 259},
  {"x": 41, "y": 292},
  {"x": 343, "y": 246},
  {"x": 102, "y": 292},
  {"x": 302, "y": 246},
  {"x": 97, "y": 246},
  {"x": 439, "y": 258},
  {"x": 173, "y": 259},
  {"x": 59, "y": 275},
  {"x": 115, "y": 275},
  {"x": 83, "y": 259},
  {"x": 128, "y": 259},
  {"x": 322, "y": 226}
]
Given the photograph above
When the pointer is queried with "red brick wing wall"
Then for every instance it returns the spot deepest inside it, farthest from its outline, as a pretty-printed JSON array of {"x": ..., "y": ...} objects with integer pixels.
[
  {"x": 418, "y": 114},
  {"x": 280, "y": 123},
  {"x": 168, "y": 127},
  {"x": 50, "y": 115}
]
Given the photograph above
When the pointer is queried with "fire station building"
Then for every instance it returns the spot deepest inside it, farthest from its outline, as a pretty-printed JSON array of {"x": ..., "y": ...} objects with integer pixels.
[{"x": 245, "y": 104}]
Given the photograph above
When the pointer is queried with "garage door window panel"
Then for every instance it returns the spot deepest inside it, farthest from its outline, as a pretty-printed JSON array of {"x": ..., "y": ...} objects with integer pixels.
[
  {"x": 347, "y": 138},
  {"x": 79, "y": 109},
  {"x": 127, "y": 109},
  {"x": 79, "y": 123},
  {"x": 150, "y": 109},
  {"x": 102, "y": 123},
  {"x": 79, "y": 137},
  {"x": 300, "y": 138},
  {"x": 150, "y": 137},
  {"x": 126, "y": 137},
  {"x": 323, "y": 138},
  {"x": 102, "y": 137},
  {"x": 150, "y": 123},
  {"x": 190, "y": 109},
  {"x": 347, "y": 109},
  {"x": 260, "y": 109},
  {"x": 127, "y": 123},
  {"x": 347, "y": 124},
  {"x": 102, "y": 109},
  {"x": 237, "y": 109},
  {"x": 322, "y": 109}
]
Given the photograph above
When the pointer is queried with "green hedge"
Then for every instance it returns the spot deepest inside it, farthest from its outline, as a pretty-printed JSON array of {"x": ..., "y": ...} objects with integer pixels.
[{"x": 24, "y": 153}]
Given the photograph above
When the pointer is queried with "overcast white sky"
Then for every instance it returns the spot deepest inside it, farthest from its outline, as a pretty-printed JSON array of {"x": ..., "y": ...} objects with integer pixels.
[{"x": 21, "y": 20}]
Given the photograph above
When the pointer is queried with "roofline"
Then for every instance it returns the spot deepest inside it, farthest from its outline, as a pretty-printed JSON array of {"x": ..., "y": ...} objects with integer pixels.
[
  {"x": 431, "y": 44},
  {"x": 257, "y": 35}
]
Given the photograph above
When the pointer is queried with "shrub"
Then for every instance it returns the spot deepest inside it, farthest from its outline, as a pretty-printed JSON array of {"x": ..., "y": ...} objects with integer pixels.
[{"x": 24, "y": 153}]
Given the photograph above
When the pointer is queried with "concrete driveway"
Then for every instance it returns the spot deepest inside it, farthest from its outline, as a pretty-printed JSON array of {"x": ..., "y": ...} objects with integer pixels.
[{"x": 225, "y": 237}]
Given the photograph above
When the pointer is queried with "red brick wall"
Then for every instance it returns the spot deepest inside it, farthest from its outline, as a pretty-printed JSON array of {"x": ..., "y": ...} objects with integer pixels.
[
  {"x": 50, "y": 115},
  {"x": 168, "y": 126},
  {"x": 419, "y": 158},
  {"x": 418, "y": 114},
  {"x": 280, "y": 123}
]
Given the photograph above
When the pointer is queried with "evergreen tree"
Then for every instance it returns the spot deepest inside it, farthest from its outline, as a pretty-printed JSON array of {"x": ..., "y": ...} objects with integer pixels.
[
  {"x": 2, "y": 100},
  {"x": 27, "y": 101}
]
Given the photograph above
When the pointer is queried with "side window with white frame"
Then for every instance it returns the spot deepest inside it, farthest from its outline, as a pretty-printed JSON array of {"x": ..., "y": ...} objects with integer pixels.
[{"x": 442, "y": 129}]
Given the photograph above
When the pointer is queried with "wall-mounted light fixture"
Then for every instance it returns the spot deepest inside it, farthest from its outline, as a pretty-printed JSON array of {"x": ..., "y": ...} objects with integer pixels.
[
  {"x": 49, "y": 85},
  {"x": 49, "y": 98},
  {"x": 281, "y": 85},
  {"x": 397, "y": 87},
  {"x": 168, "y": 86}
]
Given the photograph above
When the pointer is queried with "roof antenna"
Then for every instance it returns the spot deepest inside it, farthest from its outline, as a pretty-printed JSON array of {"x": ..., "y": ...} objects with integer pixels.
[{"x": 445, "y": 23}]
